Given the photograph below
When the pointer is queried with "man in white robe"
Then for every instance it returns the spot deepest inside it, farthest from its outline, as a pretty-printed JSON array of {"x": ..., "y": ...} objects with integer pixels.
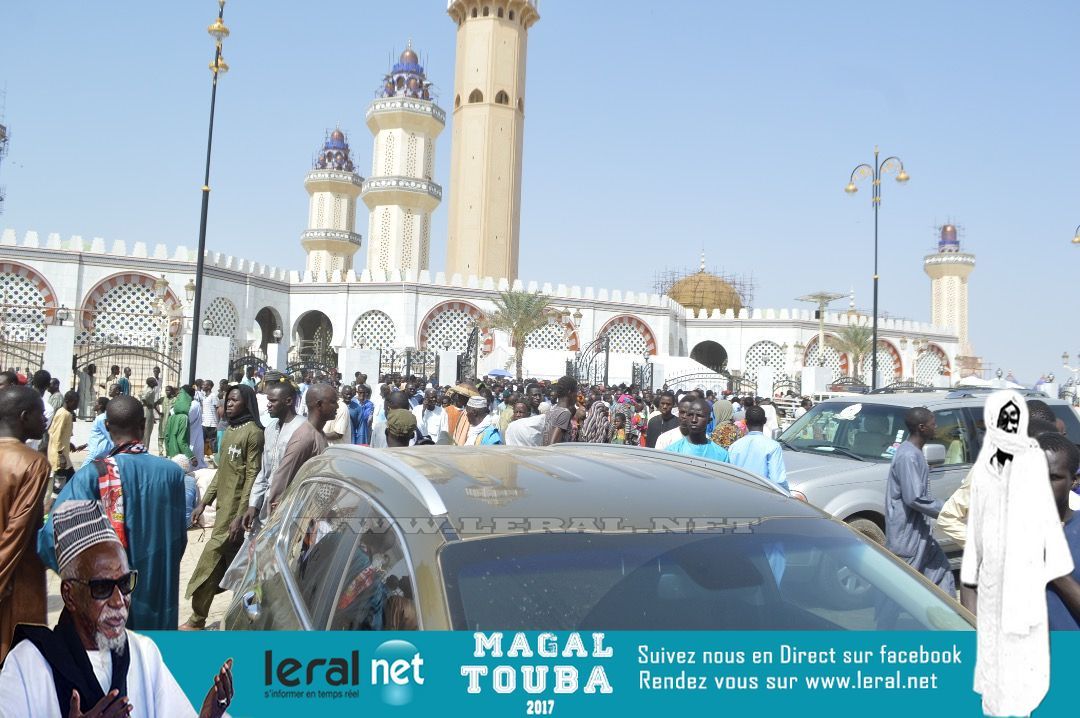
[
  {"x": 90, "y": 661},
  {"x": 1015, "y": 546}
]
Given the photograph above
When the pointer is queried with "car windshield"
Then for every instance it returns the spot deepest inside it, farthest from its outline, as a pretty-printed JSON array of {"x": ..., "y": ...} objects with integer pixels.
[
  {"x": 780, "y": 574},
  {"x": 859, "y": 431}
]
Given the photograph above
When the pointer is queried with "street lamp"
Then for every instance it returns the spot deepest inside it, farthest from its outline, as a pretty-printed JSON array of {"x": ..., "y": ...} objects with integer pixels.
[
  {"x": 219, "y": 32},
  {"x": 189, "y": 290},
  {"x": 277, "y": 335},
  {"x": 822, "y": 299},
  {"x": 207, "y": 325},
  {"x": 876, "y": 171},
  {"x": 62, "y": 315},
  {"x": 1076, "y": 235}
]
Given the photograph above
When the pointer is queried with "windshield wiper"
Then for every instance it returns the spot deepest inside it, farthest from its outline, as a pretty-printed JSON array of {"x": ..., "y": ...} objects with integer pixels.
[
  {"x": 845, "y": 452},
  {"x": 789, "y": 445}
]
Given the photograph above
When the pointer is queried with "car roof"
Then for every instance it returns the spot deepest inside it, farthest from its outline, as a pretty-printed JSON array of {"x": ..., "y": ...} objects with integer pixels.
[
  {"x": 593, "y": 482},
  {"x": 932, "y": 399}
]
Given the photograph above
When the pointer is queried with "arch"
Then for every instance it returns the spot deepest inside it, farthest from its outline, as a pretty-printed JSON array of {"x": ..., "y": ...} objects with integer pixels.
[
  {"x": 313, "y": 339},
  {"x": 134, "y": 290},
  {"x": 838, "y": 364},
  {"x": 521, "y": 105},
  {"x": 457, "y": 102},
  {"x": 474, "y": 12},
  {"x": 711, "y": 354},
  {"x": 374, "y": 330},
  {"x": 449, "y": 322},
  {"x": 622, "y": 340},
  {"x": 487, "y": 11},
  {"x": 502, "y": 98},
  {"x": 266, "y": 321},
  {"x": 764, "y": 353},
  {"x": 887, "y": 354},
  {"x": 500, "y": 12},
  {"x": 25, "y": 286},
  {"x": 476, "y": 96},
  {"x": 931, "y": 364},
  {"x": 511, "y": 16},
  {"x": 224, "y": 319}
]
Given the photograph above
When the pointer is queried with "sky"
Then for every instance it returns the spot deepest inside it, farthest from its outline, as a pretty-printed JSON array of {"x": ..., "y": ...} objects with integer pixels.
[{"x": 653, "y": 131}]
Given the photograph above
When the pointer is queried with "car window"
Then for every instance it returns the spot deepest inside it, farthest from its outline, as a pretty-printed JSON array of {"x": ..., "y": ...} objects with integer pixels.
[
  {"x": 322, "y": 533},
  {"x": 952, "y": 433},
  {"x": 376, "y": 591},
  {"x": 787, "y": 574},
  {"x": 853, "y": 429}
]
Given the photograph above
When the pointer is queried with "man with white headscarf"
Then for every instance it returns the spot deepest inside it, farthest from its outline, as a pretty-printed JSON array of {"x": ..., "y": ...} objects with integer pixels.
[
  {"x": 90, "y": 661},
  {"x": 482, "y": 430},
  {"x": 1015, "y": 546}
]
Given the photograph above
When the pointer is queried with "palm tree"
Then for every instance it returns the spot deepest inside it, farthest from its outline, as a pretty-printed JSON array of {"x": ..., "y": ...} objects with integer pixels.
[
  {"x": 855, "y": 341},
  {"x": 519, "y": 314}
]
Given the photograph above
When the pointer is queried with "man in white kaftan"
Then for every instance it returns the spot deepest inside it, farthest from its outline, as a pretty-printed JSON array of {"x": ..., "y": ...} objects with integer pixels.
[{"x": 1014, "y": 547}]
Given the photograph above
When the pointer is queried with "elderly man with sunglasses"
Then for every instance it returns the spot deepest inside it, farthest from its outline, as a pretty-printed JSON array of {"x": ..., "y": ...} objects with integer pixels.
[{"x": 90, "y": 664}]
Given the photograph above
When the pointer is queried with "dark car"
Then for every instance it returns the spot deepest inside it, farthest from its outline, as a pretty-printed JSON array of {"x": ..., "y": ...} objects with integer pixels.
[{"x": 575, "y": 537}]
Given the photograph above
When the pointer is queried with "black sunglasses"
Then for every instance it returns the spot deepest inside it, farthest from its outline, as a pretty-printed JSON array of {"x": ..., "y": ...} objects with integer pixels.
[{"x": 101, "y": 589}]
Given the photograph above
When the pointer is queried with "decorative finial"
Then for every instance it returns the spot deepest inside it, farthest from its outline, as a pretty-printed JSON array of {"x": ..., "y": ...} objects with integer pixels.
[
  {"x": 702, "y": 260},
  {"x": 408, "y": 45},
  {"x": 851, "y": 304}
]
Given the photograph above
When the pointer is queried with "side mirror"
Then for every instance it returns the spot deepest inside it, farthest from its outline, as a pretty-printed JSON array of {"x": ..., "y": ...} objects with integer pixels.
[
  {"x": 251, "y": 605},
  {"x": 776, "y": 433},
  {"x": 935, "y": 454}
]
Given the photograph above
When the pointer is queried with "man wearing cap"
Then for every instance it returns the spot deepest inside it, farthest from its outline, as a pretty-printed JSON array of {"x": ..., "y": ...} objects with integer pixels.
[
  {"x": 24, "y": 475},
  {"x": 144, "y": 500},
  {"x": 90, "y": 664},
  {"x": 456, "y": 420},
  {"x": 400, "y": 428},
  {"x": 482, "y": 430}
]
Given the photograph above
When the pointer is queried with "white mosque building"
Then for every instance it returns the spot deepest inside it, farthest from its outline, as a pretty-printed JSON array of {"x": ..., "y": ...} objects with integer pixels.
[{"x": 68, "y": 303}]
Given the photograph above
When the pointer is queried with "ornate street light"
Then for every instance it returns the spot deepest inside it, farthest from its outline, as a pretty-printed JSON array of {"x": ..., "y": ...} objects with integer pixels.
[
  {"x": 1076, "y": 236},
  {"x": 218, "y": 67},
  {"x": 277, "y": 335},
  {"x": 161, "y": 286},
  {"x": 207, "y": 325},
  {"x": 62, "y": 315},
  {"x": 876, "y": 170},
  {"x": 189, "y": 290}
]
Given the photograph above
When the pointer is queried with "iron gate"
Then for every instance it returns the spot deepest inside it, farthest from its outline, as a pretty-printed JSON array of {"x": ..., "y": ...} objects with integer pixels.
[
  {"x": 25, "y": 357},
  {"x": 141, "y": 360},
  {"x": 785, "y": 384},
  {"x": 643, "y": 376},
  {"x": 591, "y": 368},
  {"x": 467, "y": 362},
  {"x": 241, "y": 363},
  {"x": 699, "y": 380}
]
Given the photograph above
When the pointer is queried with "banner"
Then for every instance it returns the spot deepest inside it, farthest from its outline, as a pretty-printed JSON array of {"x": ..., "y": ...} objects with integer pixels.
[{"x": 587, "y": 674}]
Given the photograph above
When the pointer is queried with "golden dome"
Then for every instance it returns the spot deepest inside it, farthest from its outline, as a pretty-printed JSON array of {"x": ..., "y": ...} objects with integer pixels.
[{"x": 704, "y": 292}]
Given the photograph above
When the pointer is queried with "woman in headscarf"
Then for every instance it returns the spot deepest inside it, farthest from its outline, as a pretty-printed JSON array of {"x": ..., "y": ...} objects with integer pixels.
[
  {"x": 1015, "y": 546},
  {"x": 241, "y": 459},
  {"x": 725, "y": 432},
  {"x": 176, "y": 426},
  {"x": 596, "y": 429}
]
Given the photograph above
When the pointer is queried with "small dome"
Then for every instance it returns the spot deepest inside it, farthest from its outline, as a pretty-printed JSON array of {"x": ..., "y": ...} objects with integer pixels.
[
  {"x": 409, "y": 57},
  {"x": 949, "y": 241},
  {"x": 704, "y": 292}
]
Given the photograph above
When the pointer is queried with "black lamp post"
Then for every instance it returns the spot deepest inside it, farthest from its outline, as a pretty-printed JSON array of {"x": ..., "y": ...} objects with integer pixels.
[
  {"x": 218, "y": 67},
  {"x": 875, "y": 171}
]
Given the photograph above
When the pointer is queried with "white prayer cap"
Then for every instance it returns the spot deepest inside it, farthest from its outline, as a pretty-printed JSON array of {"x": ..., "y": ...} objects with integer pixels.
[
  {"x": 78, "y": 525},
  {"x": 477, "y": 402}
]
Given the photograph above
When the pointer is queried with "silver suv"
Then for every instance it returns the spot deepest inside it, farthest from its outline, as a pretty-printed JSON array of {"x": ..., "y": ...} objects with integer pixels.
[{"x": 838, "y": 454}]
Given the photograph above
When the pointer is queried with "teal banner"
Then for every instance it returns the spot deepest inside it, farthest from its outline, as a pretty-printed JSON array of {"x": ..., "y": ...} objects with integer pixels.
[{"x": 582, "y": 674}]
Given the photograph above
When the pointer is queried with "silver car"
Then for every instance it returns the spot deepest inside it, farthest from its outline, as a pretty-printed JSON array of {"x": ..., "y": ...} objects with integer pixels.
[
  {"x": 838, "y": 454},
  {"x": 569, "y": 537}
]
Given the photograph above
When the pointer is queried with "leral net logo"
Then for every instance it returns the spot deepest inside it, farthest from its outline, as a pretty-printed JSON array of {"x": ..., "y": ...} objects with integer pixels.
[{"x": 397, "y": 666}]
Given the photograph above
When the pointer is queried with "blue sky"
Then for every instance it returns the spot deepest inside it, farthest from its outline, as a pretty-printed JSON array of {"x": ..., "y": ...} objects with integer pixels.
[{"x": 653, "y": 130}]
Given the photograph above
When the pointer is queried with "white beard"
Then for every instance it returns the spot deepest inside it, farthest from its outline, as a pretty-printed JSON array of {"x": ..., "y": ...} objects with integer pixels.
[{"x": 117, "y": 644}]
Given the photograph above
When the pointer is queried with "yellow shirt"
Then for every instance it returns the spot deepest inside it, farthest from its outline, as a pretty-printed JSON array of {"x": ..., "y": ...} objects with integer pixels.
[{"x": 60, "y": 439}]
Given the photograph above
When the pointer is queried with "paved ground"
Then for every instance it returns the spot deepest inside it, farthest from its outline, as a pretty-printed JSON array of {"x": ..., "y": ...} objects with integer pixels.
[{"x": 197, "y": 539}]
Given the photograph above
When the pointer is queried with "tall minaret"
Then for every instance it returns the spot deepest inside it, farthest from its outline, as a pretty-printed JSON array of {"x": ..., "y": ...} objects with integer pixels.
[
  {"x": 949, "y": 269},
  {"x": 330, "y": 240},
  {"x": 400, "y": 192},
  {"x": 489, "y": 125}
]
